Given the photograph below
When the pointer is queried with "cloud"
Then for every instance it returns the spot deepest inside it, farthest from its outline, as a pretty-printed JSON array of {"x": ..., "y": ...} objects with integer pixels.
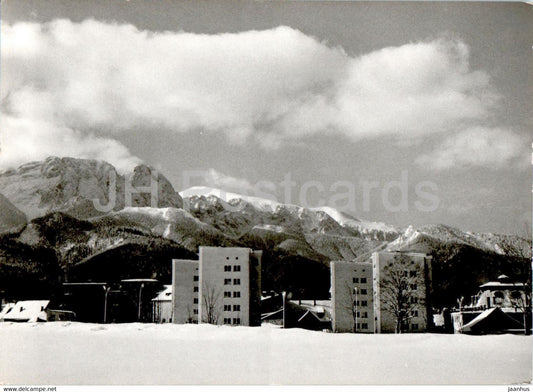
[
  {"x": 213, "y": 178},
  {"x": 478, "y": 146},
  {"x": 217, "y": 179},
  {"x": 25, "y": 140},
  {"x": 272, "y": 87}
]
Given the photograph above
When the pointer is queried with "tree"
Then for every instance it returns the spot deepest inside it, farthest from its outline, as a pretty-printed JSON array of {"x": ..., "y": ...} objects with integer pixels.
[
  {"x": 402, "y": 290},
  {"x": 350, "y": 305},
  {"x": 191, "y": 318},
  {"x": 211, "y": 306},
  {"x": 519, "y": 249}
]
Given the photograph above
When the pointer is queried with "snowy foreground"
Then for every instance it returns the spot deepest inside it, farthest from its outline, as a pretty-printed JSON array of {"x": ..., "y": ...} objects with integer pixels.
[{"x": 75, "y": 353}]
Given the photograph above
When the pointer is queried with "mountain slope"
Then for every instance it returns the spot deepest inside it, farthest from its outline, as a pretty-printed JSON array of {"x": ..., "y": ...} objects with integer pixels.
[
  {"x": 317, "y": 233},
  {"x": 425, "y": 238},
  {"x": 175, "y": 224},
  {"x": 310, "y": 217},
  {"x": 10, "y": 216}
]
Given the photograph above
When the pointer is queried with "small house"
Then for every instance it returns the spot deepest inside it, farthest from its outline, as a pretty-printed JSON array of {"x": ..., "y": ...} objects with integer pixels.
[{"x": 27, "y": 311}]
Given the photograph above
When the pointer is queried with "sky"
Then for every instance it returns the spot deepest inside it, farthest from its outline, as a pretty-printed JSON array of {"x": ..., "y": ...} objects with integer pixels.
[{"x": 407, "y": 113}]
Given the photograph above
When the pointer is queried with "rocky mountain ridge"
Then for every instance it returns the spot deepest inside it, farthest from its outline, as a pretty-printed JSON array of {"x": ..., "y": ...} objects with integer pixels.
[
  {"x": 298, "y": 243},
  {"x": 82, "y": 188}
]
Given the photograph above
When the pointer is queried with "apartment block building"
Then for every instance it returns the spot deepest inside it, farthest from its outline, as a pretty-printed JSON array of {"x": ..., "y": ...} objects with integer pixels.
[
  {"x": 351, "y": 297},
  {"x": 222, "y": 287},
  {"x": 361, "y": 293},
  {"x": 185, "y": 291},
  {"x": 416, "y": 270}
]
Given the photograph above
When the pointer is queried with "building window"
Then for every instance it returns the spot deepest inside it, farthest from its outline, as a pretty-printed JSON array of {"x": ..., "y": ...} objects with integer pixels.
[
  {"x": 358, "y": 314},
  {"x": 236, "y": 294},
  {"x": 236, "y": 308},
  {"x": 236, "y": 268},
  {"x": 414, "y": 286},
  {"x": 356, "y": 303},
  {"x": 364, "y": 315},
  {"x": 414, "y": 327},
  {"x": 195, "y": 278},
  {"x": 415, "y": 313},
  {"x": 236, "y": 281},
  {"x": 363, "y": 291},
  {"x": 195, "y": 289},
  {"x": 227, "y": 268},
  {"x": 236, "y": 321},
  {"x": 227, "y": 308},
  {"x": 355, "y": 280},
  {"x": 414, "y": 300},
  {"x": 237, "y": 258},
  {"x": 227, "y": 294},
  {"x": 227, "y": 320},
  {"x": 364, "y": 326},
  {"x": 227, "y": 281},
  {"x": 412, "y": 274},
  {"x": 358, "y": 326},
  {"x": 363, "y": 280},
  {"x": 195, "y": 311},
  {"x": 364, "y": 303},
  {"x": 195, "y": 300}
]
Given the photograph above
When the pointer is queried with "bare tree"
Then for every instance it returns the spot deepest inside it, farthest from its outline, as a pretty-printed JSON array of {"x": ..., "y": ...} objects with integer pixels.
[
  {"x": 191, "y": 318},
  {"x": 210, "y": 299},
  {"x": 402, "y": 290}
]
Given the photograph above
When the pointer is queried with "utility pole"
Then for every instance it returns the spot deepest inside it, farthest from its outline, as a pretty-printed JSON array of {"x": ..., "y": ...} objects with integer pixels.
[
  {"x": 106, "y": 292},
  {"x": 284, "y": 299},
  {"x": 140, "y": 301}
]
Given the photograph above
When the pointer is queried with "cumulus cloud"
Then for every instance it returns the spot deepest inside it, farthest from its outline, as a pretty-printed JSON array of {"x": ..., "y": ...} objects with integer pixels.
[
  {"x": 270, "y": 86},
  {"x": 478, "y": 146},
  {"x": 217, "y": 179},
  {"x": 25, "y": 140},
  {"x": 213, "y": 178}
]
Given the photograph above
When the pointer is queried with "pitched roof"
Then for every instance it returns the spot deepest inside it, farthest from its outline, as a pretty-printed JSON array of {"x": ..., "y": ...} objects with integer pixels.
[
  {"x": 491, "y": 320},
  {"x": 164, "y": 295},
  {"x": 27, "y": 311}
]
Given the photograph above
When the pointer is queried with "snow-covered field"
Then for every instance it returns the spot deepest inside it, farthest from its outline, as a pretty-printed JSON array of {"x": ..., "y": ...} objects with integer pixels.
[{"x": 75, "y": 353}]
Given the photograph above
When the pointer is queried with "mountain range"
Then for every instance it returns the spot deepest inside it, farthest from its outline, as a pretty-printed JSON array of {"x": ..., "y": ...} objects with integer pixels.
[{"x": 50, "y": 208}]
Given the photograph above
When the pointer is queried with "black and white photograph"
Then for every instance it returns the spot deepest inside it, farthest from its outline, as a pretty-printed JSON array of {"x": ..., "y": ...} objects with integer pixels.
[{"x": 276, "y": 193}]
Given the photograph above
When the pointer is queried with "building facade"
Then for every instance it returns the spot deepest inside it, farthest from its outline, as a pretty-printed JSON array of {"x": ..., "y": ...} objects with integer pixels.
[
  {"x": 416, "y": 271},
  {"x": 185, "y": 291},
  {"x": 230, "y": 286},
  {"x": 222, "y": 287},
  {"x": 162, "y": 306},
  {"x": 352, "y": 307},
  {"x": 361, "y": 293}
]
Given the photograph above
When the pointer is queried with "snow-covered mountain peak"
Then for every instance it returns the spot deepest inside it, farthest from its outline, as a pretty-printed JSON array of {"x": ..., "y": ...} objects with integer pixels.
[{"x": 259, "y": 203}]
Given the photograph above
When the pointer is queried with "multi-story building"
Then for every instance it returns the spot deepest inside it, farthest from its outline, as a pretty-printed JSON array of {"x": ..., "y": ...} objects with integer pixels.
[
  {"x": 223, "y": 287},
  {"x": 414, "y": 270},
  {"x": 185, "y": 291},
  {"x": 230, "y": 286},
  {"x": 351, "y": 297},
  {"x": 361, "y": 292}
]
